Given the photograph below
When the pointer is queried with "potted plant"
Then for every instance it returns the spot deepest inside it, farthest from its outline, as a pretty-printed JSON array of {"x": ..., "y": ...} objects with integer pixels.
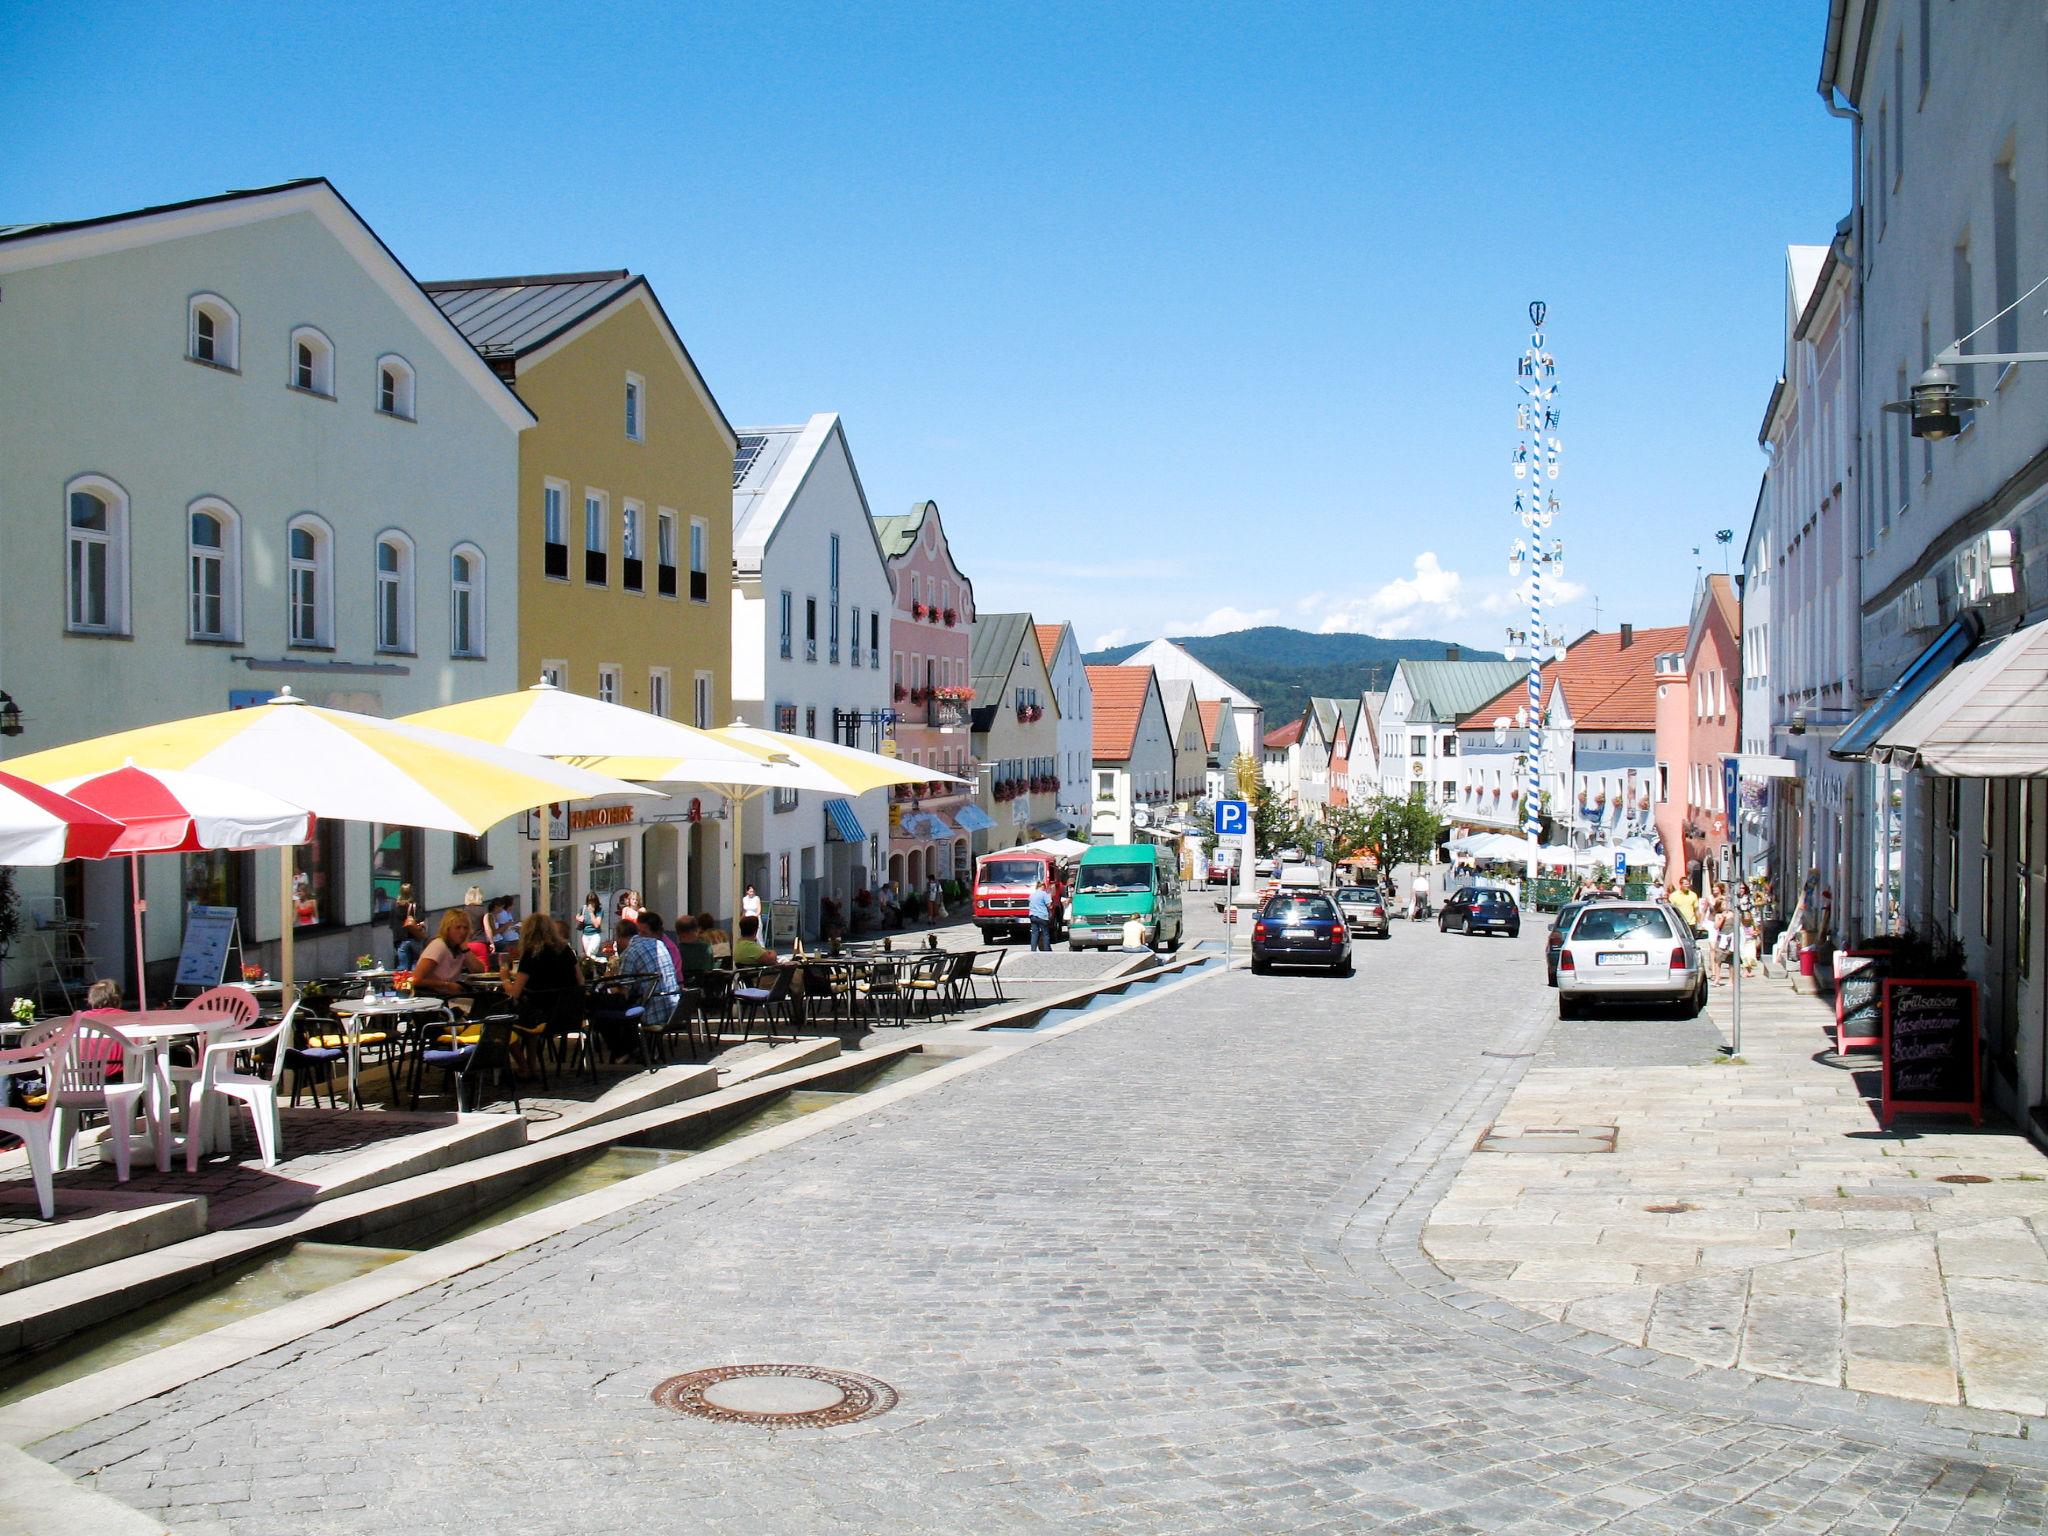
[
  {"x": 952, "y": 618},
  {"x": 917, "y": 610},
  {"x": 902, "y": 693}
]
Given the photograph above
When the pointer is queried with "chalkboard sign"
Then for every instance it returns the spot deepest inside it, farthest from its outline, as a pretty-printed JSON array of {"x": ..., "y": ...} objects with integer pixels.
[
  {"x": 210, "y": 933},
  {"x": 1931, "y": 1064},
  {"x": 1859, "y": 998},
  {"x": 782, "y": 922}
]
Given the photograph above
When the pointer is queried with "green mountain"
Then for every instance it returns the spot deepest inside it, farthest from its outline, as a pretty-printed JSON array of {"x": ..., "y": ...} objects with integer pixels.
[{"x": 1283, "y": 668}]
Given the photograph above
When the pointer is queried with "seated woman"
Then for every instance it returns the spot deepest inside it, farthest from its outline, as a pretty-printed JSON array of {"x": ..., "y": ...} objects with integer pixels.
[
  {"x": 696, "y": 953},
  {"x": 715, "y": 936},
  {"x": 542, "y": 982},
  {"x": 447, "y": 958}
]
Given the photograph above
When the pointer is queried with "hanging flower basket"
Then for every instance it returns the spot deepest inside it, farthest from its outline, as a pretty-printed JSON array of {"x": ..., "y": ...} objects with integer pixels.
[
  {"x": 917, "y": 610},
  {"x": 952, "y": 618},
  {"x": 958, "y": 693},
  {"x": 902, "y": 693}
]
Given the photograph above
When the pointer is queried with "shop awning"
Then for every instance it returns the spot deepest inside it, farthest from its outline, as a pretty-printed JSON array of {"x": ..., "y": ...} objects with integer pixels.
[
  {"x": 1051, "y": 828},
  {"x": 1928, "y": 668},
  {"x": 1987, "y": 719},
  {"x": 973, "y": 818},
  {"x": 842, "y": 823},
  {"x": 927, "y": 824}
]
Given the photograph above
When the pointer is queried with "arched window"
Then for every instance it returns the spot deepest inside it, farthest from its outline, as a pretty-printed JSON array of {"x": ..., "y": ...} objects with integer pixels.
[
  {"x": 312, "y": 362},
  {"x": 213, "y": 570},
  {"x": 213, "y": 331},
  {"x": 394, "y": 386},
  {"x": 466, "y": 597},
  {"x": 309, "y": 581},
  {"x": 96, "y": 556},
  {"x": 394, "y": 592}
]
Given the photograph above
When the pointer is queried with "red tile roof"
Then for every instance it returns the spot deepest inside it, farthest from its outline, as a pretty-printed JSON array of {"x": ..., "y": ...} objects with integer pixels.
[
  {"x": 1211, "y": 711},
  {"x": 1048, "y": 641},
  {"x": 1119, "y": 703},
  {"x": 1284, "y": 736},
  {"x": 1608, "y": 687}
]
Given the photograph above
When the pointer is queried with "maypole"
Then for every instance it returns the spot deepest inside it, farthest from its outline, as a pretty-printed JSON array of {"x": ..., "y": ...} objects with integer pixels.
[{"x": 1536, "y": 506}]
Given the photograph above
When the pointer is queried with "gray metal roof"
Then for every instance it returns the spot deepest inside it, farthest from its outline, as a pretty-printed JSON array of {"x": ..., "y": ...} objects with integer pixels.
[
  {"x": 996, "y": 638},
  {"x": 1450, "y": 690},
  {"x": 508, "y": 316},
  {"x": 897, "y": 533}
]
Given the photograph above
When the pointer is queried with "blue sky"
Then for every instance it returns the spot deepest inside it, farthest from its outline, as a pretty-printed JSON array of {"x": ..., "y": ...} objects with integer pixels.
[{"x": 1187, "y": 316}]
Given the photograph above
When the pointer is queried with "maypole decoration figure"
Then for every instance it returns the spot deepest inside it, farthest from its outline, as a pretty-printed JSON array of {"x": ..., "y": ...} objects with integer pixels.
[{"x": 1536, "y": 507}]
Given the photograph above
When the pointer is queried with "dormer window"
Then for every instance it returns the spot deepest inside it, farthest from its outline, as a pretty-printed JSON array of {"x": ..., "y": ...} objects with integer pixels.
[
  {"x": 213, "y": 332},
  {"x": 312, "y": 362},
  {"x": 394, "y": 387}
]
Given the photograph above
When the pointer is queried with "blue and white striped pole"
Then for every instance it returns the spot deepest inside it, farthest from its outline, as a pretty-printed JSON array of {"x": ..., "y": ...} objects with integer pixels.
[{"x": 1536, "y": 506}]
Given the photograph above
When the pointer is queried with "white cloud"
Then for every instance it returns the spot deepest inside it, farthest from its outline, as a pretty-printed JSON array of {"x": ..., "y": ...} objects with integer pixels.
[
  {"x": 1408, "y": 605},
  {"x": 1558, "y": 592},
  {"x": 1110, "y": 638},
  {"x": 1224, "y": 620}
]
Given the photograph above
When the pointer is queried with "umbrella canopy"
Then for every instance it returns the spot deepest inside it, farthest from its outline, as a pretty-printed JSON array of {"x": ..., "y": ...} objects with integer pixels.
[
  {"x": 604, "y": 738},
  {"x": 41, "y": 826},
  {"x": 344, "y": 766},
  {"x": 166, "y": 810},
  {"x": 851, "y": 771},
  {"x": 1058, "y": 847}
]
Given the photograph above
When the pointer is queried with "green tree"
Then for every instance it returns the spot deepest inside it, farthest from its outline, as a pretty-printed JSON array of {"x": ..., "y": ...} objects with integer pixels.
[
  {"x": 1401, "y": 829},
  {"x": 1347, "y": 830}
]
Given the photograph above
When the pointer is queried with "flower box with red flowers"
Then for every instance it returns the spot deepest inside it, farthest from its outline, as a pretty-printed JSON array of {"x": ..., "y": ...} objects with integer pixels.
[
  {"x": 917, "y": 610},
  {"x": 952, "y": 618}
]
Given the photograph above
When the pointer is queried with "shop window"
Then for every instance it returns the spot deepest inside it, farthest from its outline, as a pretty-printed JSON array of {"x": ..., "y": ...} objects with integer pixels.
[{"x": 316, "y": 878}]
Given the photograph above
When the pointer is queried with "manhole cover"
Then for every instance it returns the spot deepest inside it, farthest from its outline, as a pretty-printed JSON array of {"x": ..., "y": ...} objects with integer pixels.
[
  {"x": 1547, "y": 1138},
  {"x": 777, "y": 1396},
  {"x": 1964, "y": 1178}
]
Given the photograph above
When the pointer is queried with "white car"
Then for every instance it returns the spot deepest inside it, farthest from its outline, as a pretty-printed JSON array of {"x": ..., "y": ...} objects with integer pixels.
[{"x": 1629, "y": 951}]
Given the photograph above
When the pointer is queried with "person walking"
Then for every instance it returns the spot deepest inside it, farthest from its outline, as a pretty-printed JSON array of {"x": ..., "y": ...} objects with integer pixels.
[
  {"x": 1418, "y": 895},
  {"x": 590, "y": 926},
  {"x": 1041, "y": 916}
]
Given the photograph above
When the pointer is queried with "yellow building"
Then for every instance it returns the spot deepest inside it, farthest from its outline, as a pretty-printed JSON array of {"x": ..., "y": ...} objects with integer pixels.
[{"x": 625, "y": 551}]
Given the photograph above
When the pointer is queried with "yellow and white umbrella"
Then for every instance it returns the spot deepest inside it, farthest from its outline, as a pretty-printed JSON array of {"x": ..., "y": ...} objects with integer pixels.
[
  {"x": 340, "y": 765},
  {"x": 610, "y": 739}
]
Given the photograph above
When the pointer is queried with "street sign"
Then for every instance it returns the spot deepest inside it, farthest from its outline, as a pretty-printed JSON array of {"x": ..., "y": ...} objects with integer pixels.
[
  {"x": 1233, "y": 818},
  {"x": 1731, "y": 788},
  {"x": 1620, "y": 865}
]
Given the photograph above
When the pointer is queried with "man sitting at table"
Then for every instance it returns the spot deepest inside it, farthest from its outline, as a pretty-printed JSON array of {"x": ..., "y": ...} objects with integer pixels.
[
  {"x": 697, "y": 955},
  {"x": 651, "y": 925},
  {"x": 644, "y": 960},
  {"x": 750, "y": 950},
  {"x": 447, "y": 958}
]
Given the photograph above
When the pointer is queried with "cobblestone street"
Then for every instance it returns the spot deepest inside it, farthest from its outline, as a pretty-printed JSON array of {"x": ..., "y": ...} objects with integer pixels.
[{"x": 1158, "y": 1274}]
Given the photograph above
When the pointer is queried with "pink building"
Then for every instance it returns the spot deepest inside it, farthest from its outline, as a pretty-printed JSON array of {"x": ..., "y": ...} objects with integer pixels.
[
  {"x": 1712, "y": 708},
  {"x": 931, "y": 640}
]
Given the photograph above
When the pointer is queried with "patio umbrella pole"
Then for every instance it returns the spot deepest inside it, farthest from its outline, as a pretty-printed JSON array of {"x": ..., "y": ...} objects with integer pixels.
[
  {"x": 141, "y": 957},
  {"x": 287, "y": 914},
  {"x": 546, "y": 815}
]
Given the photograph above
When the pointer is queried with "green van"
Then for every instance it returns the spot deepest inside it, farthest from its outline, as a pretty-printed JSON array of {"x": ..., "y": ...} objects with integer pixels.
[{"x": 1119, "y": 881}]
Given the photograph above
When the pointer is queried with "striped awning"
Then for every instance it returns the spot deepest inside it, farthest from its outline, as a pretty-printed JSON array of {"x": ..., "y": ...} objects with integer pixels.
[
  {"x": 973, "y": 818},
  {"x": 1913, "y": 684},
  {"x": 841, "y": 825}
]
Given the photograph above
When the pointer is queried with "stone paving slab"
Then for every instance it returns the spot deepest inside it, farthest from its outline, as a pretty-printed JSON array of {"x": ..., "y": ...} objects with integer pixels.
[
  {"x": 1118, "y": 1289},
  {"x": 1769, "y": 1220}
]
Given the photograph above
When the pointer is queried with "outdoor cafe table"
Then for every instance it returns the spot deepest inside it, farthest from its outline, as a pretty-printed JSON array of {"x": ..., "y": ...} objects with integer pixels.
[
  {"x": 156, "y": 1030},
  {"x": 353, "y": 1011}
]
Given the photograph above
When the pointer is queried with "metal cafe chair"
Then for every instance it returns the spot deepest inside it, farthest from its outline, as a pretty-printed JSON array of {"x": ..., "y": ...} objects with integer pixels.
[
  {"x": 988, "y": 965},
  {"x": 765, "y": 1003}
]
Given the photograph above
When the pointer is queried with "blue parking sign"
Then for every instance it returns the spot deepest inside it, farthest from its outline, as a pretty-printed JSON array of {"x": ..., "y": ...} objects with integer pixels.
[
  {"x": 1233, "y": 818},
  {"x": 1731, "y": 789},
  {"x": 1620, "y": 864}
]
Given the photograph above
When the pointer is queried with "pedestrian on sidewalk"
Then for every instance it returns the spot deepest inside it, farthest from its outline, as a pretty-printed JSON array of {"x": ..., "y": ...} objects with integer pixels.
[{"x": 1041, "y": 916}]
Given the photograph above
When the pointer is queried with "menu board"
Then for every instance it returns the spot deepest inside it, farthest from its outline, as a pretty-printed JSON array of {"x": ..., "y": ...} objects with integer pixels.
[
  {"x": 1859, "y": 998},
  {"x": 782, "y": 922},
  {"x": 1931, "y": 1062},
  {"x": 209, "y": 935}
]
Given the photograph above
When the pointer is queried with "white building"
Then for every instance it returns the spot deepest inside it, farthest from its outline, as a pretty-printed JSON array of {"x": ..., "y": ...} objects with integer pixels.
[
  {"x": 1061, "y": 653},
  {"x": 1133, "y": 752},
  {"x": 1173, "y": 663},
  {"x": 810, "y": 624},
  {"x": 1280, "y": 760},
  {"x": 1418, "y": 726},
  {"x": 244, "y": 450}
]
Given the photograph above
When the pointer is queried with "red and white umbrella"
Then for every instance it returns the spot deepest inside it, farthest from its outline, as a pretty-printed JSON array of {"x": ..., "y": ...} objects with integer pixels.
[
  {"x": 169, "y": 810},
  {"x": 41, "y": 826}
]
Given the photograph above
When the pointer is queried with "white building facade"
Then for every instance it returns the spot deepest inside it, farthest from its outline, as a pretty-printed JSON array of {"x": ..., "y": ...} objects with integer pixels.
[
  {"x": 810, "y": 632},
  {"x": 245, "y": 451},
  {"x": 1061, "y": 652}
]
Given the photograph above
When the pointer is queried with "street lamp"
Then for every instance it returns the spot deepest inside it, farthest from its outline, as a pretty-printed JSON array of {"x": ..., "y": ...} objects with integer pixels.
[
  {"x": 10, "y": 716},
  {"x": 1934, "y": 405}
]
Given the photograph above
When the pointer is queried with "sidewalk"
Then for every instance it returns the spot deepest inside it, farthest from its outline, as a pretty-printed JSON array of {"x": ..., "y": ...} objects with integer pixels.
[{"x": 1757, "y": 1216}]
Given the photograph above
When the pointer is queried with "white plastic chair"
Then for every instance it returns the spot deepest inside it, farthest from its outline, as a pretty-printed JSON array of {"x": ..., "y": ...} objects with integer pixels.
[
  {"x": 82, "y": 1077},
  {"x": 218, "y": 1080},
  {"x": 31, "y": 1125},
  {"x": 239, "y": 1008}
]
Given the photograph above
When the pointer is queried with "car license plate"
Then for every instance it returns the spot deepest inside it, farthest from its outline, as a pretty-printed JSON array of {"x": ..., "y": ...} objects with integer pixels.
[
  {"x": 1297, "y": 933},
  {"x": 1626, "y": 957}
]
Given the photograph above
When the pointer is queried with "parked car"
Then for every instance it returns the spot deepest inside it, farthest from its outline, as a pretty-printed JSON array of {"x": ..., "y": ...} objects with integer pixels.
[
  {"x": 1300, "y": 876},
  {"x": 1633, "y": 950},
  {"x": 1262, "y": 868},
  {"x": 1364, "y": 908},
  {"x": 1558, "y": 925},
  {"x": 1301, "y": 928},
  {"x": 1480, "y": 909}
]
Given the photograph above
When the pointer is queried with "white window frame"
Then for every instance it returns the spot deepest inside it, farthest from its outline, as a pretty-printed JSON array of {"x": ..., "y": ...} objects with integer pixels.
[
  {"x": 316, "y": 574},
  {"x": 320, "y": 372},
  {"x": 226, "y": 558},
  {"x": 632, "y": 525},
  {"x": 635, "y": 408},
  {"x": 611, "y": 683},
  {"x": 227, "y": 332},
  {"x": 476, "y": 592},
  {"x": 402, "y": 394},
  {"x": 555, "y": 673},
  {"x": 597, "y": 533},
  {"x": 787, "y": 641},
  {"x": 113, "y": 542},
  {"x": 399, "y": 583},
  {"x": 554, "y": 520},
  {"x": 659, "y": 700},
  {"x": 700, "y": 551},
  {"x": 666, "y": 553},
  {"x": 703, "y": 699}
]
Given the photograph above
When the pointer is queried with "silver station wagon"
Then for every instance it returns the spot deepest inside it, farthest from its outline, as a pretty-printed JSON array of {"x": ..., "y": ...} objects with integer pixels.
[{"x": 1629, "y": 951}]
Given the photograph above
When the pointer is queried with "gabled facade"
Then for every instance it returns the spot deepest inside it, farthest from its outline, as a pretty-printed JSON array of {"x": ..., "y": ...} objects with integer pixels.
[
  {"x": 1061, "y": 652},
  {"x": 1191, "y": 744},
  {"x": 625, "y": 549},
  {"x": 1219, "y": 727},
  {"x": 1016, "y": 734},
  {"x": 1280, "y": 760},
  {"x": 1175, "y": 663},
  {"x": 1133, "y": 752},
  {"x": 244, "y": 450},
  {"x": 1713, "y": 666},
  {"x": 810, "y": 604},
  {"x": 930, "y": 638},
  {"x": 1418, "y": 732}
]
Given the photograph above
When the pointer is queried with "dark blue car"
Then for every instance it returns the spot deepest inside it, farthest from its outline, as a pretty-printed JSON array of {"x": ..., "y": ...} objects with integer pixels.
[{"x": 1301, "y": 928}]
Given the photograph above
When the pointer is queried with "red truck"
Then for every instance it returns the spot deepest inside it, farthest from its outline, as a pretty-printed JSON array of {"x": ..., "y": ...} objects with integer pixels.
[{"x": 1002, "y": 892}]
